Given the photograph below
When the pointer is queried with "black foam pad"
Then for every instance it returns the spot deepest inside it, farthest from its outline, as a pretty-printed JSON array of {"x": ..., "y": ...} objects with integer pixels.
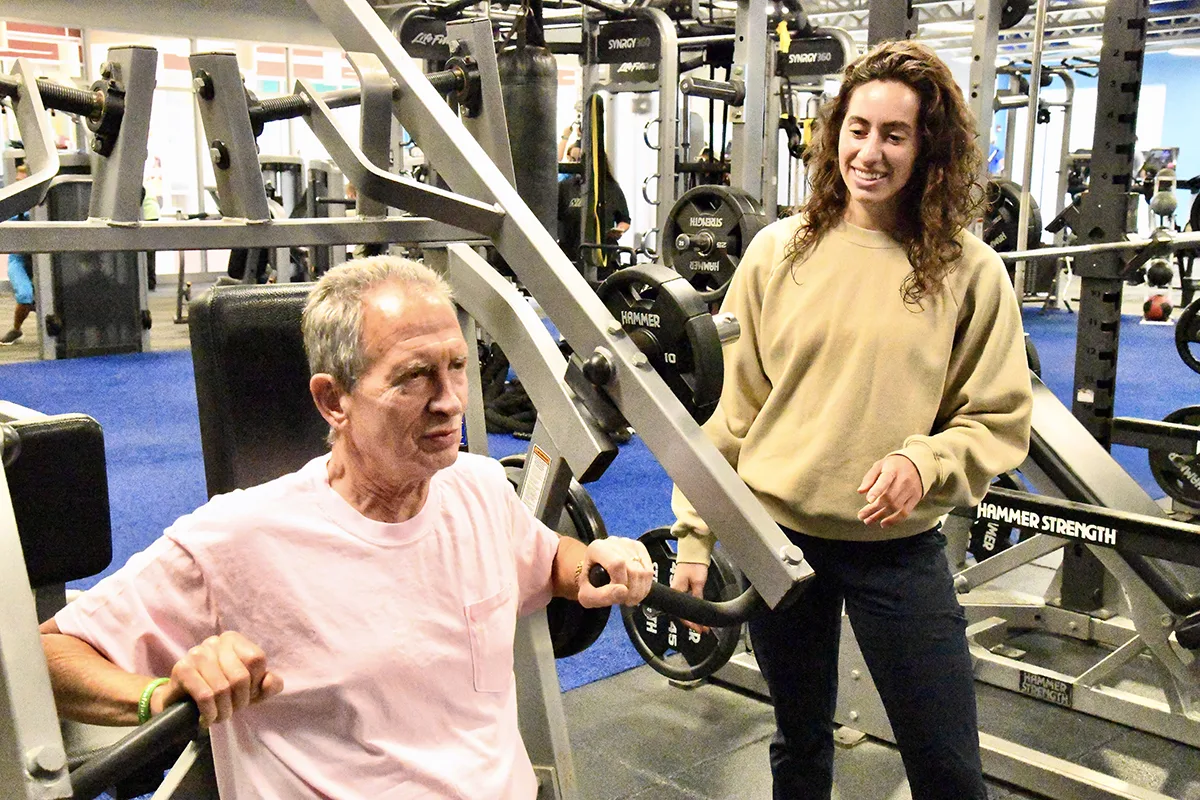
[
  {"x": 59, "y": 487},
  {"x": 257, "y": 418}
]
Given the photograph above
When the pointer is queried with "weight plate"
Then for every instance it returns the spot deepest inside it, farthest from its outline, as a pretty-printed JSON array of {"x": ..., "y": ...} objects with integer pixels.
[
  {"x": 573, "y": 628},
  {"x": 1012, "y": 12},
  {"x": 987, "y": 537},
  {"x": 707, "y": 232},
  {"x": 670, "y": 323},
  {"x": 1187, "y": 335},
  {"x": 1003, "y": 217},
  {"x": 1179, "y": 473},
  {"x": 667, "y": 645}
]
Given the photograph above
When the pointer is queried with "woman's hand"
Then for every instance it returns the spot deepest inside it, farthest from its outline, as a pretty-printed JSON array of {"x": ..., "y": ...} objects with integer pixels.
[{"x": 893, "y": 489}]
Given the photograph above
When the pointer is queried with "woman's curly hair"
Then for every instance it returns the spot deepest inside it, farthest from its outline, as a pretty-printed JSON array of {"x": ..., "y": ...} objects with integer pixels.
[{"x": 942, "y": 195}]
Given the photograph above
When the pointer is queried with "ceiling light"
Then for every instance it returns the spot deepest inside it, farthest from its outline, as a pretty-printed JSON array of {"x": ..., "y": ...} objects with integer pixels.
[
  {"x": 1086, "y": 42},
  {"x": 1184, "y": 51}
]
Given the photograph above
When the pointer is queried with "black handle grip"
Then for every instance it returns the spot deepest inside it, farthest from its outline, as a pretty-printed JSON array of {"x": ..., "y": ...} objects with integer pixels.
[
  {"x": 174, "y": 727},
  {"x": 694, "y": 609}
]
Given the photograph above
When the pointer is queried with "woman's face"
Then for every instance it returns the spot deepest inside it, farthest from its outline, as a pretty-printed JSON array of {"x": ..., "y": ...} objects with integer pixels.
[{"x": 877, "y": 148}]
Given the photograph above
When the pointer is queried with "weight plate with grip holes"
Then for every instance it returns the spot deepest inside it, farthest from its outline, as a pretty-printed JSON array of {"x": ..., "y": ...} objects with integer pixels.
[
  {"x": 1187, "y": 335},
  {"x": 573, "y": 628},
  {"x": 988, "y": 537},
  {"x": 667, "y": 645},
  {"x": 669, "y": 322},
  {"x": 707, "y": 232},
  {"x": 1179, "y": 473}
]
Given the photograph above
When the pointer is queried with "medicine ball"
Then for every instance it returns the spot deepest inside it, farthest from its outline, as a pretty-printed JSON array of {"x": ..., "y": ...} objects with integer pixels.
[
  {"x": 1157, "y": 309},
  {"x": 1159, "y": 273}
]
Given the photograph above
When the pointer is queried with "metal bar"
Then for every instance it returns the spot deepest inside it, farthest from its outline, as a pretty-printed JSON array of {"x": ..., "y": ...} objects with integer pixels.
[
  {"x": 1123, "y": 531},
  {"x": 750, "y": 59},
  {"x": 41, "y": 156},
  {"x": 702, "y": 42},
  {"x": 1065, "y": 150},
  {"x": 1035, "y": 86},
  {"x": 1164, "y": 239},
  {"x": 490, "y": 128},
  {"x": 219, "y": 234},
  {"x": 117, "y": 177},
  {"x": 229, "y": 138},
  {"x": 1103, "y": 214},
  {"x": 375, "y": 125},
  {"x": 1055, "y": 777},
  {"x": 1169, "y": 437},
  {"x": 667, "y": 184},
  {"x": 986, "y": 17},
  {"x": 540, "y": 713},
  {"x": 506, "y": 315},
  {"x": 33, "y": 762},
  {"x": 394, "y": 190}
]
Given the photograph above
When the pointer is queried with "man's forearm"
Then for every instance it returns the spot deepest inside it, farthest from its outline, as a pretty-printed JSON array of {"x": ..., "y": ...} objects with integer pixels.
[{"x": 87, "y": 686}]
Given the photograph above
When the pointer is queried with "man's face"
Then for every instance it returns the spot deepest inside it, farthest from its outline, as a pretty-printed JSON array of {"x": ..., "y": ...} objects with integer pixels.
[{"x": 404, "y": 416}]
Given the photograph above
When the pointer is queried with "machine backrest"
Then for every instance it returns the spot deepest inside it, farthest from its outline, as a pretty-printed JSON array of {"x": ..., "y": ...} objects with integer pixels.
[
  {"x": 257, "y": 418},
  {"x": 59, "y": 487}
]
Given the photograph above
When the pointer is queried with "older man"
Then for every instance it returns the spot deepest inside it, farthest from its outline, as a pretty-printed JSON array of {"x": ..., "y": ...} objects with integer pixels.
[{"x": 346, "y": 630}]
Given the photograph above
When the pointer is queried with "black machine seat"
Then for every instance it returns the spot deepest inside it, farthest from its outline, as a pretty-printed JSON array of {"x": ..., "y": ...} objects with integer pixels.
[
  {"x": 1087, "y": 473},
  {"x": 58, "y": 480},
  {"x": 257, "y": 418}
]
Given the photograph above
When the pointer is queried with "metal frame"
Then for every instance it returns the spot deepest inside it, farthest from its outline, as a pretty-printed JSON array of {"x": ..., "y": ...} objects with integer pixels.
[
  {"x": 32, "y": 756},
  {"x": 666, "y": 188}
]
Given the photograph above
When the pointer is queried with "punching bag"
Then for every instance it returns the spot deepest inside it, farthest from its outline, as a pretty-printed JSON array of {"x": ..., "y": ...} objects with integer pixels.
[{"x": 529, "y": 84}]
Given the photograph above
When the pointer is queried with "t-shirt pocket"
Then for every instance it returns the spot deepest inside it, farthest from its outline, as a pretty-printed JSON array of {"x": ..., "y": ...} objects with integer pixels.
[{"x": 492, "y": 623}]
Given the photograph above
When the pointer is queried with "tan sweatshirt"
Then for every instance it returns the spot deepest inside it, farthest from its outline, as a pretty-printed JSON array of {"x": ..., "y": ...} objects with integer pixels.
[{"x": 833, "y": 371}]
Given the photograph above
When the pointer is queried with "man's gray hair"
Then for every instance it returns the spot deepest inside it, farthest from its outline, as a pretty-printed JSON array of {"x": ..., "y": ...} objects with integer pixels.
[{"x": 333, "y": 314}]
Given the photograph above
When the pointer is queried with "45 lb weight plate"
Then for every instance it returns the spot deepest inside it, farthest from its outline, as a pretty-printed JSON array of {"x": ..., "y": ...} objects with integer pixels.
[
  {"x": 706, "y": 234},
  {"x": 668, "y": 646}
]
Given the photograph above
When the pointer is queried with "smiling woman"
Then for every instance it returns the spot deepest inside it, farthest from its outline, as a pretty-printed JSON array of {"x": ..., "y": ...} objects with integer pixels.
[{"x": 879, "y": 380}]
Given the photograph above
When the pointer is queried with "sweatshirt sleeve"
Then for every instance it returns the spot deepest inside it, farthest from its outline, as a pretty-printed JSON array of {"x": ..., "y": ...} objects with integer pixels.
[
  {"x": 745, "y": 387},
  {"x": 982, "y": 425}
]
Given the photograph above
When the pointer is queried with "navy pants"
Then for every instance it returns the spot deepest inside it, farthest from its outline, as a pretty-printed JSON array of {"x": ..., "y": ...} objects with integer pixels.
[{"x": 899, "y": 596}]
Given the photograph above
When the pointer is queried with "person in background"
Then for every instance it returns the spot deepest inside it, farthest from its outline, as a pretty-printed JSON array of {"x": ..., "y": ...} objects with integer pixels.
[
  {"x": 613, "y": 215},
  {"x": 19, "y": 271},
  {"x": 880, "y": 380},
  {"x": 347, "y": 630}
]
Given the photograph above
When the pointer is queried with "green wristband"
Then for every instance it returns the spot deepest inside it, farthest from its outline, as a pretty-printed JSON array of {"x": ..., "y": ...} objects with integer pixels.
[{"x": 144, "y": 702}]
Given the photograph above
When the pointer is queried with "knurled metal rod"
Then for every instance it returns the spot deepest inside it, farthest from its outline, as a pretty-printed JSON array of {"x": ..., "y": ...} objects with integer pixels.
[
  {"x": 1169, "y": 242},
  {"x": 291, "y": 106},
  {"x": 58, "y": 97}
]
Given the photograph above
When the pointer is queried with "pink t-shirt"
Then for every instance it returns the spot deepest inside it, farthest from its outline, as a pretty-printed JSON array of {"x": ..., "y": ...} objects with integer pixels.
[{"x": 394, "y": 641}]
